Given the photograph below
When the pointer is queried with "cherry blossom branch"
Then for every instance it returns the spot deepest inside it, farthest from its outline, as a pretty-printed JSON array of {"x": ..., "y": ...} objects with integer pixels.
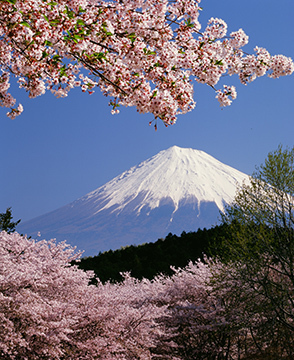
[{"x": 154, "y": 48}]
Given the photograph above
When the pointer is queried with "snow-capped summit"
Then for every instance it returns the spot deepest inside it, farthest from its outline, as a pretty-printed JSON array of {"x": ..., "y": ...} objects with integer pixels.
[
  {"x": 173, "y": 174},
  {"x": 177, "y": 189}
]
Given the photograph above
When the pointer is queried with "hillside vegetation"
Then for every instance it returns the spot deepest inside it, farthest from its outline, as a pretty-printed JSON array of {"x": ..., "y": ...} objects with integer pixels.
[{"x": 150, "y": 259}]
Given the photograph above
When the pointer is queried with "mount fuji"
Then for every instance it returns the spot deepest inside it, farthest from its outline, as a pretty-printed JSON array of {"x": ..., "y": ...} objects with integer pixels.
[{"x": 176, "y": 190}]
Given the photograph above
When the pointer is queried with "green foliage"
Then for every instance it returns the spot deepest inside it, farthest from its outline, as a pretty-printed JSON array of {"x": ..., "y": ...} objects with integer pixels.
[
  {"x": 150, "y": 259},
  {"x": 262, "y": 215},
  {"x": 261, "y": 246},
  {"x": 6, "y": 223}
]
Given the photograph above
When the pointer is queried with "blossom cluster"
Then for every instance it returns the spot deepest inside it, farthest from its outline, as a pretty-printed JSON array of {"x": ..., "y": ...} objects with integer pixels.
[{"x": 142, "y": 53}]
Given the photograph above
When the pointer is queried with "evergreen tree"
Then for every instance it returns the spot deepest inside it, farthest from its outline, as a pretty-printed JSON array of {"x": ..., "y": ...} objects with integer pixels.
[{"x": 6, "y": 223}]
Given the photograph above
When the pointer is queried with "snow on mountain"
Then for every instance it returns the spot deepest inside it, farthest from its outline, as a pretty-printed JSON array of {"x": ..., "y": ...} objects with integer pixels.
[{"x": 177, "y": 189}]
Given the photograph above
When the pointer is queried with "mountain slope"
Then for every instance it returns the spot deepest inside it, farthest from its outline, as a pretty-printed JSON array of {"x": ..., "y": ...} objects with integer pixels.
[{"x": 177, "y": 189}]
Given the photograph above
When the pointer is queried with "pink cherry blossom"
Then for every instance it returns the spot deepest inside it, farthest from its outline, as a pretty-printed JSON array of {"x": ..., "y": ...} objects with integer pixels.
[
  {"x": 51, "y": 309},
  {"x": 48, "y": 309},
  {"x": 141, "y": 53}
]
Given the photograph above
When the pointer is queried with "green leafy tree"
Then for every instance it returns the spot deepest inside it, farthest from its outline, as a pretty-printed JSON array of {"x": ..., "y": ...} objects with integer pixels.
[
  {"x": 261, "y": 245},
  {"x": 6, "y": 223}
]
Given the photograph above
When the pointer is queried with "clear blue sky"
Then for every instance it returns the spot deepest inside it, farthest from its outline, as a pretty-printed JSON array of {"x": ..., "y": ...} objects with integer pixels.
[{"x": 60, "y": 149}]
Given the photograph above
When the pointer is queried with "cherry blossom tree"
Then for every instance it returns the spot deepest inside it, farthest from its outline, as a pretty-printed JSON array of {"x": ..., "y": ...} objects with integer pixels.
[
  {"x": 200, "y": 323},
  {"x": 121, "y": 321},
  {"x": 35, "y": 292},
  {"x": 48, "y": 310},
  {"x": 142, "y": 53},
  {"x": 213, "y": 314}
]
